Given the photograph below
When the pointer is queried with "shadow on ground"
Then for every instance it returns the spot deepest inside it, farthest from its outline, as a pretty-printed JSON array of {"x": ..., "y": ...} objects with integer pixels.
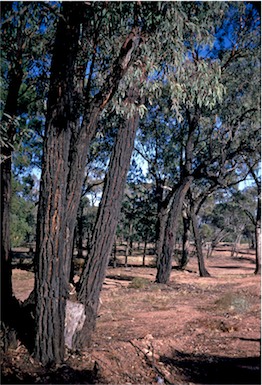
[
  {"x": 62, "y": 375},
  {"x": 208, "y": 369}
]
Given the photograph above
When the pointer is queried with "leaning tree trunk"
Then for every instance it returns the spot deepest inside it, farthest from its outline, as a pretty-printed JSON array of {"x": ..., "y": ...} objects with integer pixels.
[
  {"x": 215, "y": 241},
  {"x": 105, "y": 228},
  {"x": 236, "y": 244},
  {"x": 201, "y": 263},
  {"x": 165, "y": 261}
]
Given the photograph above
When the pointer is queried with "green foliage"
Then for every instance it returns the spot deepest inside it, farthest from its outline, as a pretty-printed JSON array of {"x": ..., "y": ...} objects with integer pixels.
[
  {"x": 139, "y": 211},
  {"x": 23, "y": 212},
  {"x": 231, "y": 214},
  {"x": 185, "y": 63}
]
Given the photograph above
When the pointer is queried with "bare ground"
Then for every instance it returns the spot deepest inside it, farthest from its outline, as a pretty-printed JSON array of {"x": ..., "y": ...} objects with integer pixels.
[{"x": 192, "y": 331}]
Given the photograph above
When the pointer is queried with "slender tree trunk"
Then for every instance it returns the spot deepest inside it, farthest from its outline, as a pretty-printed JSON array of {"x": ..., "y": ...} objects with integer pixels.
[
  {"x": 186, "y": 240},
  {"x": 127, "y": 251},
  {"x": 235, "y": 247},
  {"x": 80, "y": 230},
  {"x": 201, "y": 263},
  {"x": 15, "y": 77},
  {"x": 258, "y": 235},
  {"x": 144, "y": 252},
  {"x": 165, "y": 261},
  {"x": 215, "y": 241},
  {"x": 162, "y": 217},
  {"x": 105, "y": 228},
  {"x": 114, "y": 256}
]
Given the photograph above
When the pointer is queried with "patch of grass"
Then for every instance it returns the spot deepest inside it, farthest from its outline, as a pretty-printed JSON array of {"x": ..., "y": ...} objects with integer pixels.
[
  {"x": 139, "y": 283},
  {"x": 233, "y": 301}
]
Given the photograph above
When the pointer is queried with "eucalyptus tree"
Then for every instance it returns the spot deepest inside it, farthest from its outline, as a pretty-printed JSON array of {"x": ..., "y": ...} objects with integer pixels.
[
  {"x": 257, "y": 220},
  {"x": 96, "y": 45},
  {"x": 216, "y": 135},
  {"x": 94, "y": 48},
  {"x": 246, "y": 201},
  {"x": 25, "y": 39},
  {"x": 212, "y": 112}
]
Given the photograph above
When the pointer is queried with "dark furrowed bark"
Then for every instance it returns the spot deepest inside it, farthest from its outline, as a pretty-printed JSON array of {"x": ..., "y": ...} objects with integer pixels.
[
  {"x": 105, "y": 228},
  {"x": 53, "y": 236},
  {"x": 165, "y": 261},
  {"x": 65, "y": 151}
]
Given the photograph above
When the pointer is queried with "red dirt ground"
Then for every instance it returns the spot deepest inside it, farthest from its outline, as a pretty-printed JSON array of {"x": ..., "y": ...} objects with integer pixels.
[{"x": 192, "y": 331}]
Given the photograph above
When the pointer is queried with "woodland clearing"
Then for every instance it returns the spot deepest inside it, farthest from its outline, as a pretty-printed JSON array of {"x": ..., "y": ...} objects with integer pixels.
[{"x": 191, "y": 331}]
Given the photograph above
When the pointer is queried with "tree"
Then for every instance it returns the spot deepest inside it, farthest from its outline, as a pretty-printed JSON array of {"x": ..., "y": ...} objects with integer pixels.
[
  {"x": 106, "y": 223},
  {"x": 20, "y": 50},
  {"x": 74, "y": 107},
  {"x": 204, "y": 158},
  {"x": 64, "y": 158},
  {"x": 23, "y": 211}
]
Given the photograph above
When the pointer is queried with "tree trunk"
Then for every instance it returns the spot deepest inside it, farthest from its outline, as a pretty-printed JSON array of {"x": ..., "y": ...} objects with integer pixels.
[
  {"x": 165, "y": 261},
  {"x": 144, "y": 252},
  {"x": 80, "y": 229},
  {"x": 114, "y": 256},
  {"x": 186, "y": 240},
  {"x": 258, "y": 235},
  {"x": 126, "y": 251},
  {"x": 105, "y": 228},
  {"x": 64, "y": 158},
  {"x": 162, "y": 215},
  {"x": 15, "y": 77},
  {"x": 215, "y": 241},
  {"x": 55, "y": 234},
  {"x": 235, "y": 247},
  {"x": 201, "y": 263}
]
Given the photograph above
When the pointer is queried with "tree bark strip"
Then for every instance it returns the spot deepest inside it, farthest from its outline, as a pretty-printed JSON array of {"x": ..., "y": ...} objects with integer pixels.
[
  {"x": 165, "y": 261},
  {"x": 53, "y": 236},
  {"x": 105, "y": 228},
  {"x": 258, "y": 234}
]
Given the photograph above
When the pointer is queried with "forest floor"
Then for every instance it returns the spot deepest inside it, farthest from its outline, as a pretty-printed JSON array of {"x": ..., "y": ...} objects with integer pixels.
[{"x": 191, "y": 331}]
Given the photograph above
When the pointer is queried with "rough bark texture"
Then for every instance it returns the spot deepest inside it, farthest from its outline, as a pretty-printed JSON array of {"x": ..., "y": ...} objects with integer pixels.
[
  {"x": 65, "y": 150},
  {"x": 55, "y": 227},
  {"x": 105, "y": 228},
  {"x": 165, "y": 261}
]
